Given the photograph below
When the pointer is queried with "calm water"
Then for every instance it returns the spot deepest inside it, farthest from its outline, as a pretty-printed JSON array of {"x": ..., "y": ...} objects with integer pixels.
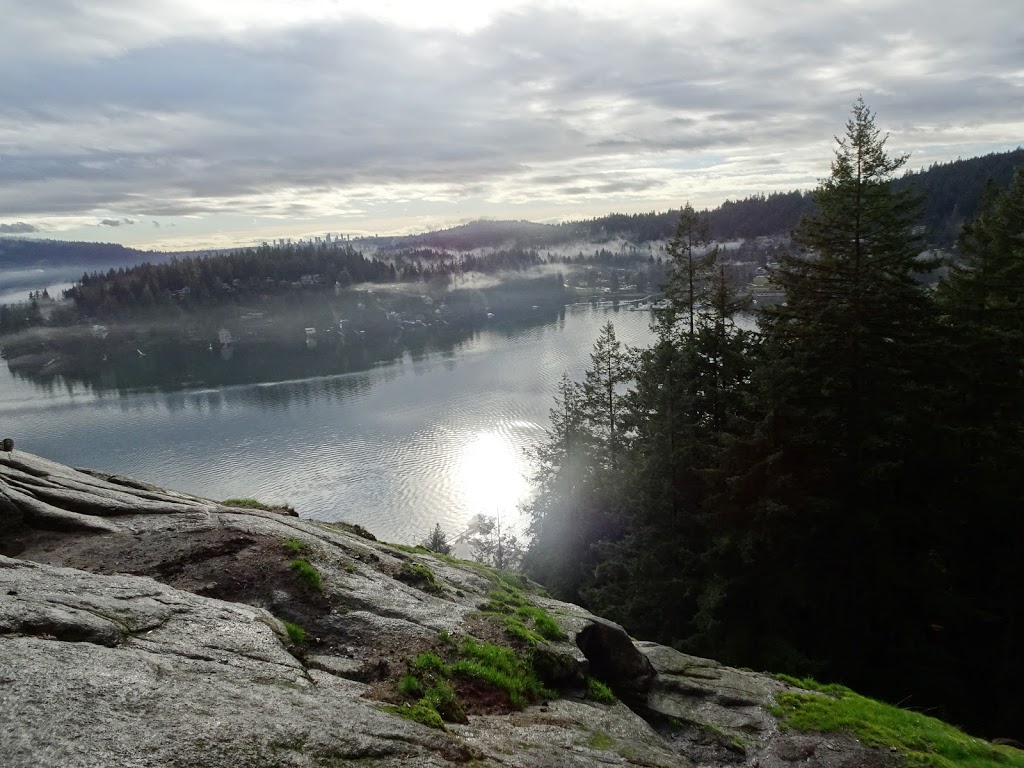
[{"x": 396, "y": 448}]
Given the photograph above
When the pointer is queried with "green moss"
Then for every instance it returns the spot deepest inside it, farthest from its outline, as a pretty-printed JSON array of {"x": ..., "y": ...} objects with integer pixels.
[
  {"x": 511, "y": 603},
  {"x": 810, "y": 684},
  {"x": 247, "y": 504},
  {"x": 924, "y": 741},
  {"x": 600, "y": 741},
  {"x": 308, "y": 573},
  {"x": 599, "y": 692},
  {"x": 442, "y": 699},
  {"x": 419, "y": 713},
  {"x": 419, "y": 576},
  {"x": 295, "y": 546},
  {"x": 295, "y": 632}
]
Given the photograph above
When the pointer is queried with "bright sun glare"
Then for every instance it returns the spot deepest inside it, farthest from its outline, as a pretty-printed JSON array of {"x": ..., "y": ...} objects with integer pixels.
[{"x": 492, "y": 477}]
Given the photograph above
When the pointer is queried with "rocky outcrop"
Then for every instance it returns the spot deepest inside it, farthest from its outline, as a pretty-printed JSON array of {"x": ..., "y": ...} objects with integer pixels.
[{"x": 143, "y": 627}]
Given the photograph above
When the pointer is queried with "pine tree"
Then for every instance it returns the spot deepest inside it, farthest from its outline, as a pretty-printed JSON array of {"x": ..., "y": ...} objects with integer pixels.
[
  {"x": 437, "y": 541},
  {"x": 609, "y": 371},
  {"x": 835, "y": 534},
  {"x": 982, "y": 438},
  {"x": 690, "y": 265},
  {"x": 688, "y": 397},
  {"x": 559, "y": 530}
]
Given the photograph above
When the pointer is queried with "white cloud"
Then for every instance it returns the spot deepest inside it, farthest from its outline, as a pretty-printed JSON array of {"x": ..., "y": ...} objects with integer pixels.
[{"x": 326, "y": 111}]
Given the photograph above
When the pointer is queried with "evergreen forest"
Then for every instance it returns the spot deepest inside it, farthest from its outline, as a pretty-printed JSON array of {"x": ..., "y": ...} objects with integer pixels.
[{"x": 834, "y": 493}]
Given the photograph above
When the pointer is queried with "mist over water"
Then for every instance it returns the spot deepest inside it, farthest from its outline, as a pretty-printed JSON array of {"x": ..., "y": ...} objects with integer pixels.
[{"x": 437, "y": 438}]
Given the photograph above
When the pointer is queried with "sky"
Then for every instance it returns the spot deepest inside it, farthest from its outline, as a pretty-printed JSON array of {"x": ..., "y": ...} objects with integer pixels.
[{"x": 179, "y": 124}]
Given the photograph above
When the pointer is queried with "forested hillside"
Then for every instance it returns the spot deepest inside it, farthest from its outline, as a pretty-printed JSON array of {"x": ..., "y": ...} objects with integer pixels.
[
  {"x": 16, "y": 253},
  {"x": 951, "y": 193},
  {"x": 837, "y": 493}
]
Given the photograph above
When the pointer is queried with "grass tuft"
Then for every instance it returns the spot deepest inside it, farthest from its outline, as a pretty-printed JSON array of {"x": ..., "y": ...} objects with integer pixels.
[
  {"x": 599, "y": 692},
  {"x": 442, "y": 699},
  {"x": 502, "y": 668},
  {"x": 419, "y": 576},
  {"x": 515, "y": 627},
  {"x": 924, "y": 741},
  {"x": 295, "y": 632},
  {"x": 430, "y": 662},
  {"x": 308, "y": 573},
  {"x": 410, "y": 686},
  {"x": 515, "y": 607},
  {"x": 295, "y": 546},
  {"x": 247, "y": 504}
]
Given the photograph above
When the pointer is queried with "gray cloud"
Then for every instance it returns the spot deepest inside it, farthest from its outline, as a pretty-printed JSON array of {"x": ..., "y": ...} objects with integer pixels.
[
  {"x": 116, "y": 222},
  {"x": 18, "y": 228},
  {"x": 541, "y": 104}
]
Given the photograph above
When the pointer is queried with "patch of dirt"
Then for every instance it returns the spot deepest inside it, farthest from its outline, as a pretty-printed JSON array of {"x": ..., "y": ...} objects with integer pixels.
[{"x": 217, "y": 562}]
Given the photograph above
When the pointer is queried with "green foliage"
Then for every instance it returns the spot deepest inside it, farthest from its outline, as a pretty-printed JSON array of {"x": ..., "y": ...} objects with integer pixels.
[
  {"x": 494, "y": 546},
  {"x": 420, "y": 713},
  {"x": 295, "y": 632},
  {"x": 599, "y": 692},
  {"x": 771, "y": 498},
  {"x": 442, "y": 699},
  {"x": 502, "y": 668},
  {"x": 601, "y": 741},
  {"x": 308, "y": 573},
  {"x": 430, "y": 662},
  {"x": 420, "y": 576},
  {"x": 437, "y": 541},
  {"x": 810, "y": 684},
  {"x": 546, "y": 626},
  {"x": 923, "y": 741},
  {"x": 295, "y": 546},
  {"x": 515, "y": 627},
  {"x": 410, "y": 686},
  {"x": 511, "y": 604},
  {"x": 247, "y": 504},
  {"x": 446, "y": 638}
]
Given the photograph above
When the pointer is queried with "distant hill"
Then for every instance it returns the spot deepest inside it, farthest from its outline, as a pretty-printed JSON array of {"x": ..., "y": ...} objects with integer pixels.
[
  {"x": 22, "y": 253},
  {"x": 951, "y": 193}
]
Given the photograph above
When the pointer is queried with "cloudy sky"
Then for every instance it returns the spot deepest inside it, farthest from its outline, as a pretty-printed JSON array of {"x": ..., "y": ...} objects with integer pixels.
[{"x": 189, "y": 123}]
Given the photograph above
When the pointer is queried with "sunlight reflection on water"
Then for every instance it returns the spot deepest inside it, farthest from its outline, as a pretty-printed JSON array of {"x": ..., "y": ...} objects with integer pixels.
[{"x": 397, "y": 448}]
